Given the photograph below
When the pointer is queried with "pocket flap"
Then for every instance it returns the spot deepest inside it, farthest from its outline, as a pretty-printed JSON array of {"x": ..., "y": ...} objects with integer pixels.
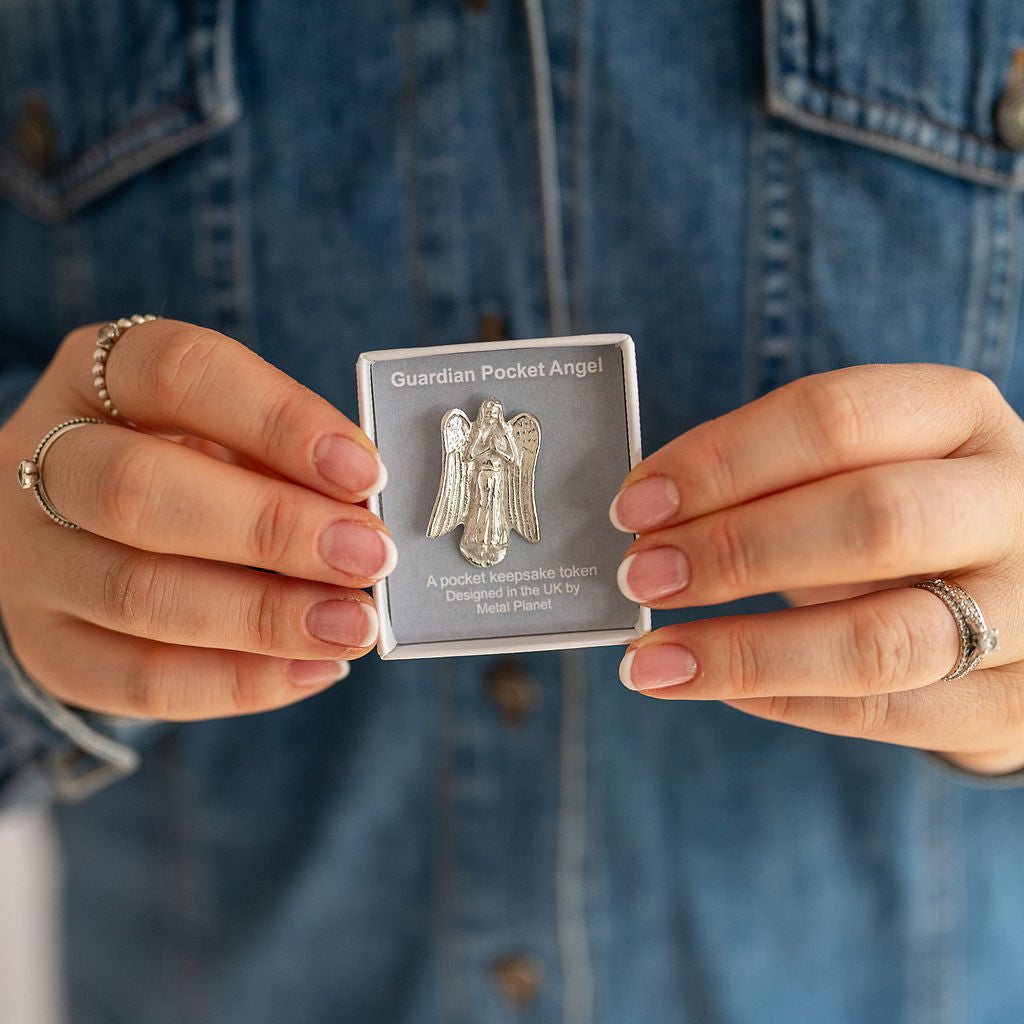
[
  {"x": 920, "y": 79},
  {"x": 92, "y": 92}
]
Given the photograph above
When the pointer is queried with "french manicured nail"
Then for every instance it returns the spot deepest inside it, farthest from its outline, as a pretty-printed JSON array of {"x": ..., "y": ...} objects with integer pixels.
[
  {"x": 350, "y": 465},
  {"x": 359, "y": 550},
  {"x": 651, "y": 668},
  {"x": 657, "y": 572},
  {"x": 645, "y": 504},
  {"x": 352, "y": 623},
  {"x": 317, "y": 673}
]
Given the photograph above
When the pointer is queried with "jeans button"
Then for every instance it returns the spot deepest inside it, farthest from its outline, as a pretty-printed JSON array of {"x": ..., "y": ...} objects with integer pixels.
[
  {"x": 514, "y": 692},
  {"x": 492, "y": 327},
  {"x": 1009, "y": 112},
  {"x": 477, "y": 5},
  {"x": 35, "y": 135},
  {"x": 519, "y": 978},
  {"x": 1010, "y": 118}
]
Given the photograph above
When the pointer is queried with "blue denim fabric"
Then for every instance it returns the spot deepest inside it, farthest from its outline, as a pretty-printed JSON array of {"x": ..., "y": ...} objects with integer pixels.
[{"x": 754, "y": 193}]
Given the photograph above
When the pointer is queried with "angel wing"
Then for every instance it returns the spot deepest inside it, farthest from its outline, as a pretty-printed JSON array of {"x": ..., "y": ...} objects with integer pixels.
[
  {"x": 522, "y": 504},
  {"x": 452, "y": 501}
]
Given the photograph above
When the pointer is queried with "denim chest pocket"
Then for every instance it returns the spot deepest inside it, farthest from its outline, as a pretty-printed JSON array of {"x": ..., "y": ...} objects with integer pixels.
[
  {"x": 889, "y": 215},
  {"x": 940, "y": 82},
  {"x": 93, "y": 92}
]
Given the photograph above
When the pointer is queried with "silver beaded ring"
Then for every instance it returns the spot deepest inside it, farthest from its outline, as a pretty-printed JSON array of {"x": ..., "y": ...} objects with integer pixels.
[
  {"x": 106, "y": 338},
  {"x": 30, "y": 471},
  {"x": 976, "y": 639}
]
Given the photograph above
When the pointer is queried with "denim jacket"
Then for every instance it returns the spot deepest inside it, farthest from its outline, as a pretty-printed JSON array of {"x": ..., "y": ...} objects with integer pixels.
[{"x": 753, "y": 190}]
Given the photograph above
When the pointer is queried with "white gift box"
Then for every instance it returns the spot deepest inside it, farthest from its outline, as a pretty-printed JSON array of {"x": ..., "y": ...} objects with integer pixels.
[{"x": 511, "y": 567}]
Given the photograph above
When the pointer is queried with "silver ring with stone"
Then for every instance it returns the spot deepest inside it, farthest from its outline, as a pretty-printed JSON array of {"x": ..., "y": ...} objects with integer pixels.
[
  {"x": 30, "y": 471},
  {"x": 976, "y": 639},
  {"x": 106, "y": 339}
]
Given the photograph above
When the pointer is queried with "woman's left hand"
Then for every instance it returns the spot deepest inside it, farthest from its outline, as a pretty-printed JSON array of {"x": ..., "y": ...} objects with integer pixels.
[{"x": 840, "y": 490}]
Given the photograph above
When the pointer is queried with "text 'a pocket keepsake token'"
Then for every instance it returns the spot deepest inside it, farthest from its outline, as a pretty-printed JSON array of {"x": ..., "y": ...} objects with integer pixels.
[{"x": 502, "y": 459}]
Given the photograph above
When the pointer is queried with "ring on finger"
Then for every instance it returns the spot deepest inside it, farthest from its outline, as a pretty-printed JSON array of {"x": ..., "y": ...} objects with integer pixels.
[
  {"x": 106, "y": 339},
  {"x": 30, "y": 471},
  {"x": 976, "y": 639}
]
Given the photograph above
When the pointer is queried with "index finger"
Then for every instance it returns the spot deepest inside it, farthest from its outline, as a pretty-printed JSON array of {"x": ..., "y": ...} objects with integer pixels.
[
  {"x": 812, "y": 428},
  {"x": 165, "y": 375}
]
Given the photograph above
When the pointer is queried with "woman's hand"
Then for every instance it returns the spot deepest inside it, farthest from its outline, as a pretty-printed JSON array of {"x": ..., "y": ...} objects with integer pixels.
[
  {"x": 840, "y": 490},
  {"x": 157, "y": 607}
]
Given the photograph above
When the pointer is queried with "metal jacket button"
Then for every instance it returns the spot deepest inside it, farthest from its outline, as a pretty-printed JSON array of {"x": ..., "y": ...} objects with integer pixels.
[
  {"x": 35, "y": 134},
  {"x": 519, "y": 979},
  {"x": 515, "y": 693},
  {"x": 1010, "y": 117},
  {"x": 1009, "y": 113},
  {"x": 492, "y": 327}
]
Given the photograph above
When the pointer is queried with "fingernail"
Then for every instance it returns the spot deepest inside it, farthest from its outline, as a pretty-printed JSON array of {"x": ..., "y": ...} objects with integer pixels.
[
  {"x": 352, "y": 623},
  {"x": 645, "y": 504},
  {"x": 350, "y": 465},
  {"x": 359, "y": 550},
  {"x": 651, "y": 668},
  {"x": 317, "y": 673},
  {"x": 658, "y": 572}
]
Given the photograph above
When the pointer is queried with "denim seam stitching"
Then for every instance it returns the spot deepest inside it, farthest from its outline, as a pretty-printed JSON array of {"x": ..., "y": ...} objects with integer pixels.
[
  {"x": 547, "y": 160},
  {"x": 840, "y": 128},
  {"x": 941, "y": 990},
  {"x": 580, "y": 165},
  {"x": 570, "y": 855},
  {"x": 770, "y": 291},
  {"x": 978, "y": 280},
  {"x": 186, "y": 927},
  {"x": 409, "y": 170},
  {"x": 1005, "y": 293},
  {"x": 453, "y": 1004}
]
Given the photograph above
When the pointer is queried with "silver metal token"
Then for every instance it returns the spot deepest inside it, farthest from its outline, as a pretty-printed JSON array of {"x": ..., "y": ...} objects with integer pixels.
[{"x": 487, "y": 481}]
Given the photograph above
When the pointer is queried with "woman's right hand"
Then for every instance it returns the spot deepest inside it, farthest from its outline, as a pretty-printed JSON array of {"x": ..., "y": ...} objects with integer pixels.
[{"x": 156, "y": 608}]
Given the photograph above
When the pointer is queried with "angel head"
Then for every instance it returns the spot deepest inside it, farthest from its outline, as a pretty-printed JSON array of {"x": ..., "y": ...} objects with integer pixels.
[{"x": 490, "y": 409}]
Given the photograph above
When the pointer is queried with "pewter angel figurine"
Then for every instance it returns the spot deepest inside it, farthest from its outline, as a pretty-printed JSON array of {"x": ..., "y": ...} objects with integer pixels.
[{"x": 487, "y": 481}]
